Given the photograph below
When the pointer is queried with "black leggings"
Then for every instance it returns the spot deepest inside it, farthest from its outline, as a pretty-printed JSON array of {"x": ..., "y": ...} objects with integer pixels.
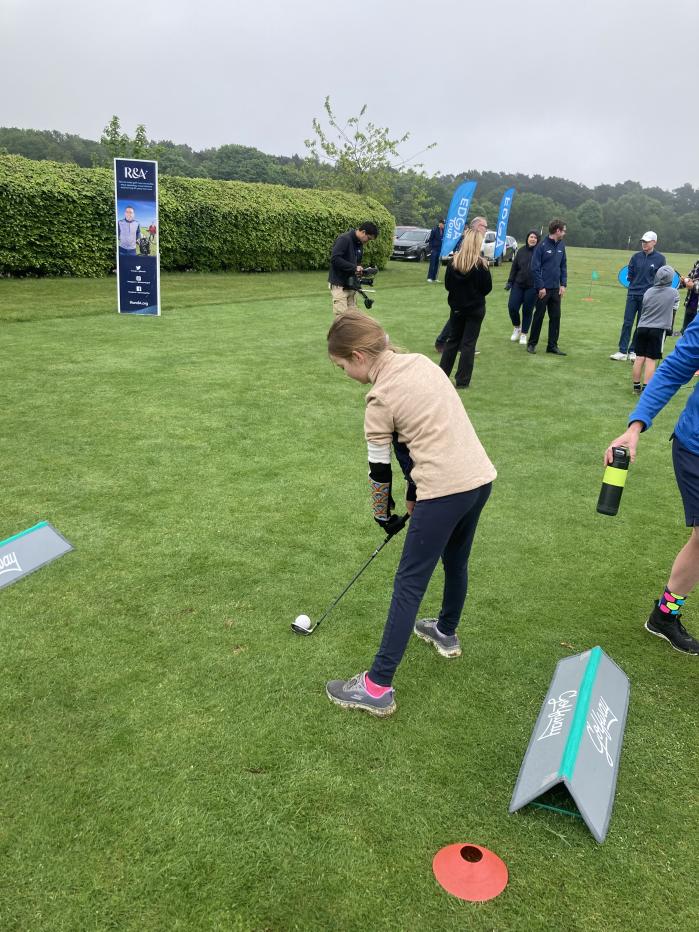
[{"x": 439, "y": 527}]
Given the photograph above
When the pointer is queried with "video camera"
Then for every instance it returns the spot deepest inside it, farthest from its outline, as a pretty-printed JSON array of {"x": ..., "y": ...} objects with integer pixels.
[{"x": 356, "y": 283}]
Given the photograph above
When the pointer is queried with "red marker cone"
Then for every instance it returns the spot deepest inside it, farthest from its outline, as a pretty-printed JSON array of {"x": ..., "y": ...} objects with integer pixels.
[{"x": 470, "y": 872}]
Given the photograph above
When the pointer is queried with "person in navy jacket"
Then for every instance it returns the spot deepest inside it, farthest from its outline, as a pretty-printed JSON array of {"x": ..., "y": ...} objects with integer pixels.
[
  {"x": 677, "y": 370},
  {"x": 642, "y": 268},
  {"x": 549, "y": 271},
  {"x": 435, "y": 244}
]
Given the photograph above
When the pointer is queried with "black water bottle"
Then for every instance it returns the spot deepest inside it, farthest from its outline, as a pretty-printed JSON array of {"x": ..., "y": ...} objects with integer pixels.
[{"x": 613, "y": 482}]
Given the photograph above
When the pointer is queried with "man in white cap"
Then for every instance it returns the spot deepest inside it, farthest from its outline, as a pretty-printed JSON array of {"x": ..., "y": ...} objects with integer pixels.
[{"x": 642, "y": 268}]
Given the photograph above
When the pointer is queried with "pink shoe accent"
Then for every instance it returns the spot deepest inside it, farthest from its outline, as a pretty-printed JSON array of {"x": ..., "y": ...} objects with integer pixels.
[{"x": 374, "y": 690}]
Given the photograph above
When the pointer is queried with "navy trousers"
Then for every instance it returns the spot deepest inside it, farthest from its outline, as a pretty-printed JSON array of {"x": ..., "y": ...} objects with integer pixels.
[
  {"x": 552, "y": 304},
  {"x": 634, "y": 302},
  {"x": 524, "y": 298},
  {"x": 434, "y": 265},
  {"x": 439, "y": 527}
]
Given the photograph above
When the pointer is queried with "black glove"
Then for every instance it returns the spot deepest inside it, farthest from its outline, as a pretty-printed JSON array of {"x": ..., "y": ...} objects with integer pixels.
[
  {"x": 394, "y": 524},
  {"x": 508, "y": 286}
]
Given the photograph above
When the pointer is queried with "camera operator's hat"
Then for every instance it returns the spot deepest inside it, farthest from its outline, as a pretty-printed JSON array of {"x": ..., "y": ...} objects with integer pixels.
[{"x": 650, "y": 235}]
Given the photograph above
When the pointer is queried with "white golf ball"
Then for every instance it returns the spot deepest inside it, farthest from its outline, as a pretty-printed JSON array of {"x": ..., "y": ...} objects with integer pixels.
[{"x": 303, "y": 621}]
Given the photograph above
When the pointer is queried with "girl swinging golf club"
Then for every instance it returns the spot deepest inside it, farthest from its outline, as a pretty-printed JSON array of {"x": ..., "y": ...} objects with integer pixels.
[{"x": 413, "y": 406}]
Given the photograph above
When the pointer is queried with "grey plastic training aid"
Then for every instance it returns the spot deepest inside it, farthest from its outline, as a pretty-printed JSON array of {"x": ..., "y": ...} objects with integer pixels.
[
  {"x": 577, "y": 738},
  {"x": 25, "y": 552}
]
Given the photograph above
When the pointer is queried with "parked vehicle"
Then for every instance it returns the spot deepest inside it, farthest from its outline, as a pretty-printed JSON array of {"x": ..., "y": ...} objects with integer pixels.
[
  {"x": 411, "y": 243},
  {"x": 488, "y": 250}
]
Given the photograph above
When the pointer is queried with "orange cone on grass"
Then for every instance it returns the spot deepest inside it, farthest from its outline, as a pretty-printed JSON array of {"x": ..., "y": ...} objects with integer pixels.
[{"x": 470, "y": 872}]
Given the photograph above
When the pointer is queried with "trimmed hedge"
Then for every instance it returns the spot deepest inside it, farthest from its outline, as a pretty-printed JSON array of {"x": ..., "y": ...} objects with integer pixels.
[{"x": 58, "y": 219}]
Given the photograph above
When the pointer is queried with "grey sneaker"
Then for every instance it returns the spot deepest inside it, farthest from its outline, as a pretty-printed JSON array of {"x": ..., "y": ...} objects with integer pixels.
[
  {"x": 352, "y": 694},
  {"x": 446, "y": 644}
]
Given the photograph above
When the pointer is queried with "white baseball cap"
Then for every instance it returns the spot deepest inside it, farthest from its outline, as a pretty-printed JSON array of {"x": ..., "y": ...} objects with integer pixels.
[{"x": 650, "y": 235}]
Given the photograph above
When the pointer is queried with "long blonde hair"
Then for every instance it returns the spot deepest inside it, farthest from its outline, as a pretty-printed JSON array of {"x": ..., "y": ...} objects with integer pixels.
[
  {"x": 469, "y": 253},
  {"x": 357, "y": 332}
]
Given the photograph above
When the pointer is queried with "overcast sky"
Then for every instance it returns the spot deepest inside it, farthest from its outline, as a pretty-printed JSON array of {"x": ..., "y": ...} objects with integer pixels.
[{"x": 598, "y": 91}]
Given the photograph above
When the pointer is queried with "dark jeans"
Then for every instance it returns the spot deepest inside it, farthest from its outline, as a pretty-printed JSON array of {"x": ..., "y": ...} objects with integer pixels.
[
  {"x": 631, "y": 313},
  {"x": 439, "y": 527},
  {"x": 552, "y": 304},
  {"x": 524, "y": 298},
  {"x": 434, "y": 265},
  {"x": 464, "y": 327}
]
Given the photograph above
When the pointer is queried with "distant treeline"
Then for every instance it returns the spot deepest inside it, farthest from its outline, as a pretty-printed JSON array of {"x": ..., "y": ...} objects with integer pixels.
[{"x": 612, "y": 216}]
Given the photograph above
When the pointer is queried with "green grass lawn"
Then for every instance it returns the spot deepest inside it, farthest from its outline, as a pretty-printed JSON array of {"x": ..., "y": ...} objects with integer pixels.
[{"x": 169, "y": 759}]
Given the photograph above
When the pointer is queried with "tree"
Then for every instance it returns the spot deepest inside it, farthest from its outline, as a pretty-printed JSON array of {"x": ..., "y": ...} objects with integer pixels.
[
  {"x": 118, "y": 145},
  {"x": 363, "y": 155},
  {"x": 587, "y": 225}
]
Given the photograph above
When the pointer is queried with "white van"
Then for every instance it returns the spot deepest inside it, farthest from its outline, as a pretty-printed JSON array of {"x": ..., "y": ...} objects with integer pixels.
[{"x": 488, "y": 250}]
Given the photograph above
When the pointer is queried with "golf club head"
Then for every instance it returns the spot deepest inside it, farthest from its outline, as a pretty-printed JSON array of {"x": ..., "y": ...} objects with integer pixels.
[{"x": 297, "y": 629}]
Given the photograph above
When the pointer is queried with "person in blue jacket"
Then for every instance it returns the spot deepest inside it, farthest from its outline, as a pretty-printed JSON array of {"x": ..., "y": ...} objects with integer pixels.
[
  {"x": 549, "y": 270},
  {"x": 642, "y": 268},
  {"x": 677, "y": 369},
  {"x": 435, "y": 244}
]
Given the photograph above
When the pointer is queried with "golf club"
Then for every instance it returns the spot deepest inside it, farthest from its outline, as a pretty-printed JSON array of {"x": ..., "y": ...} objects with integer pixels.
[{"x": 300, "y": 629}]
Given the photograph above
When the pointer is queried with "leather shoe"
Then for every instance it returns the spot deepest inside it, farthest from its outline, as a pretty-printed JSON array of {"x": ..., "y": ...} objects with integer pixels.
[
  {"x": 530, "y": 348},
  {"x": 556, "y": 351}
]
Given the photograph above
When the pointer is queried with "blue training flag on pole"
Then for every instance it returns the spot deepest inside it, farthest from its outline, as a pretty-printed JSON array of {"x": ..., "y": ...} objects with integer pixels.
[
  {"x": 456, "y": 218},
  {"x": 503, "y": 218}
]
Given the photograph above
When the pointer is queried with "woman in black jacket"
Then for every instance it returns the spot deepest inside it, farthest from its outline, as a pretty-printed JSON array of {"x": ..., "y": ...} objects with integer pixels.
[
  {"x": 522, "y": 291},
  {"x": 467, "y": 281}
]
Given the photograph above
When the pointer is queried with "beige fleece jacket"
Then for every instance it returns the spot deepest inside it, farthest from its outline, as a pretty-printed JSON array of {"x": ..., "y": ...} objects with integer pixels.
[{"x": 414, "y": 397}]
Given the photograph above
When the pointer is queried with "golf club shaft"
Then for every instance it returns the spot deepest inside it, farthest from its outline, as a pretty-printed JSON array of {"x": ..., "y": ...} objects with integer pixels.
[{"x": 351, "y": 582}]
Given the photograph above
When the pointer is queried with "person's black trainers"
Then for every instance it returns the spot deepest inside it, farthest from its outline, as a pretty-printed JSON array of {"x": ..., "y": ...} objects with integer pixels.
[
  {"x": 530, "y": 348},
  {"x": 352, "y": 694},
  {"x": 671, "y": 628},
  {"x": 446, "y": 644},
  {"x": 556, "y": 351}
]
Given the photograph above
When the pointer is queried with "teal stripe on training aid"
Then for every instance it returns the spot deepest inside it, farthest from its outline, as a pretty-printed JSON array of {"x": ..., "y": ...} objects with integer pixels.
[
  {"x": 582, "y": 707},
  {"x": 22, "y": 533},
  {"x": 27, "y": 551}
]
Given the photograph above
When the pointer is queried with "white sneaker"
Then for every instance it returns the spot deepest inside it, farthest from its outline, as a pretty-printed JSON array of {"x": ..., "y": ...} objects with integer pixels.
[
  {"x": 631, "y": 357},
  {"x": 523, "y": 339},
  {"x": 618, "y": 356},
  {"x": 515, "y": 334}
]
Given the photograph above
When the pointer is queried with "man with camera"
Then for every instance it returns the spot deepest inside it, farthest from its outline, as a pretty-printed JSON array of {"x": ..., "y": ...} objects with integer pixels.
[{"x": 346, "y": 265}]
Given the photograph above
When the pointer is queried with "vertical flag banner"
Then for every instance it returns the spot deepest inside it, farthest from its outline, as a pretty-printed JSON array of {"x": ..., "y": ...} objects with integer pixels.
[
  {"x": 456, "y": 218},
  {"x": 503, "y": 219},
  {"x": 137, "y": 233}
]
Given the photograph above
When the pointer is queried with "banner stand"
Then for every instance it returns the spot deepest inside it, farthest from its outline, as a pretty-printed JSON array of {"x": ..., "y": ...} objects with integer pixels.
[{"x": 137, "y": 235}]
